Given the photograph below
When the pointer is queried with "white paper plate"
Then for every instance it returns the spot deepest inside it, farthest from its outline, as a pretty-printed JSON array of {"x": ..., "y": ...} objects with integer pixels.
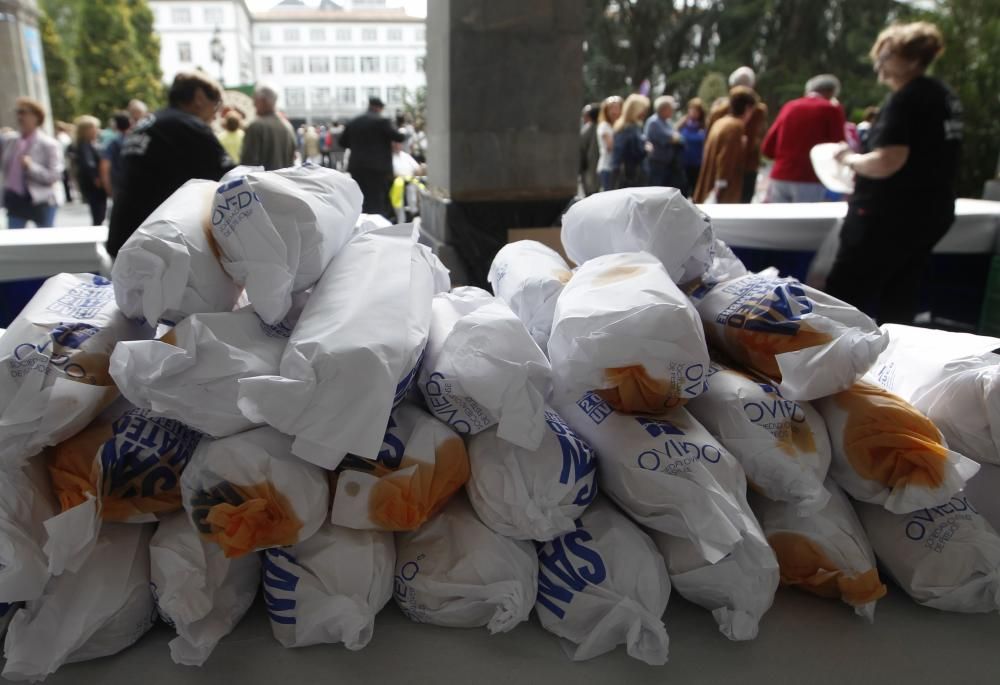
[{"x": 834, "y": 175}]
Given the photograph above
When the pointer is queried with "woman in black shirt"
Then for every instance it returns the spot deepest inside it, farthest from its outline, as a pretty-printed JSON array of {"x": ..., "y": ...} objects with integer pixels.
[
  {"x": 88, "y": 164},
  {"x": 904, "y": 197}
]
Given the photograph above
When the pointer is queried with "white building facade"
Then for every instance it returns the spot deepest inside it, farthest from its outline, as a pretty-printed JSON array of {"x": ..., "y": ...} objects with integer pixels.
[{"x": 324, "y": 62}]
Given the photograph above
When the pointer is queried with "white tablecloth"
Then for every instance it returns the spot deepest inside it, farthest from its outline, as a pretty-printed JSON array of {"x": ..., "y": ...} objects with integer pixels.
[
  {"x": 40, "y": 252},
  {"x": 802, "y": 227}
]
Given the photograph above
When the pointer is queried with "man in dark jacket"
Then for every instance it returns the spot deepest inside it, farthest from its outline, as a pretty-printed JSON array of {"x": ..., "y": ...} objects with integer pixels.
[
  {"x": 165, "y": 150},
  {"x": 369, "y": 137}
]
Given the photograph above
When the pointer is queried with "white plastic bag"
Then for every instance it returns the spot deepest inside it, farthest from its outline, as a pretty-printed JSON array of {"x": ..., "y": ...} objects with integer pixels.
[
  {"x": 125, "y": 467},
  {"x": 198, "y": 591},
  {"x": 97, "y": 611},
  {"x": 329, "y": 588},
  {"x": 26, "y": 501},
  {"x": 886, "y": 452},
  {"x": 422, "y": 463},
  {"x": 169, "y": 267},
  {"x": 192, "y": 373},
  {"x": 457, "y": 573},
  {"x": 666, "y": 472},
  {"x": 782, "y": 444},
  {"x": 810, "y": 344},
  {"x": 660, "y": 221},
  {"x": 621, "y": 326},
  {"x": 532, "y": 494},
  {"x": 945, "y": 557},
  {"x": 482, "y": 368},
  {"x": 54, "y": 363},
  {"x": 278, "y": 230},
  {"x": 355, "y": 350},
  {"x": 529, "y": 276},
  {"x": 826, "y": 553},
  {"x": 953, "y": 378},
  {"x": 602, "y": 585},
  {"x": 247, "y": 492}
]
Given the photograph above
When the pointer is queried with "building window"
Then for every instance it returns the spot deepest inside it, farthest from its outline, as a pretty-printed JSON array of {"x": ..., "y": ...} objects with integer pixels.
[
  {"x": 420, "y": 35},
  {"x": 343, "y": 65},
  {"x": 319, "y": 64},
  {"x": 343, "y": 35},
  {"x": 264, "y": 35},
  {"x": 213, "y": 15},
  {"x": 180, "y": 15},
  {"x": 373, "y": 92},
  {"x": 369, "y": 35},
  {"x": 420, "y": 63},
  {"x": 394, "y": 65},
  {"x": 346, "y": 96},
  {"x": 321, "y": 97},
  {"x": 266, "y": 66},
  {"x": 295, "y": 97},
  {"x": 291, "y": 35},
  {"x": 292, "y": 65},
  {"x": 394, "y": 34},
  {"x": 394, "y": 95},
  {"x": 369, "y": 65},
  {"x": 184, "y": 51},
  {"x": 317, "y": 35}
]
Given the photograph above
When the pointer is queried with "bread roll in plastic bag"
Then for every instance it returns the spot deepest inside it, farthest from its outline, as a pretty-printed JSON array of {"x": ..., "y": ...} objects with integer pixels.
[
  {"x": 738, "y": 589},
  {"x": 886, "y": 452},
  {"x": 622, "y": 327},
  {"x": 278, "y": 230},
  {"x": 247, "y": 492},
  {"x": 457, "y": 573},
  {"x": 54, "y": 376},
  {"x": 666, "y": 472},
  {"x": 826, "y": 553},
  {"x": 529, "y": 276},
  {"x": 124, "y": 467},
  {"x": 945, "y": 557},
  {"x": 26, "y": 502},
  {"x": 96, "y": 611},
  {"x": 169, "y": 267},
  {"x": 329, "y": 588},
  {"x": 603, "y": 585},
  {"x": 198, "y": 591},
  {"x": 355, "y": 350},
  {"x": 532, "y": 494},
  {"x": 482, "y": 368},
  {"x": 953, "y": 378},
  {"x": 781, "y": 444},
  {"x": 810, "y": 344},
  {"x": 192, "y": 373},
  {"x": 422, "y": 463},
  {"x": 660, "y": 221}
]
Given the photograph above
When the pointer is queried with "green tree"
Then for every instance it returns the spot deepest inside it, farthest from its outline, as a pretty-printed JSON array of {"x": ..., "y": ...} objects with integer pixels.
[
  {"x": 712, "y": 87},
  {"x": 110, "y": 71},
  {"x": 147, "y": 46},
  {"x": 63, "y": 92}
]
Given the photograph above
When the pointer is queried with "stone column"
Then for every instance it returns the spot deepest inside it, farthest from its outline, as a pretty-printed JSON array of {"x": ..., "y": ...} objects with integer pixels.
[
  {"x": 504, "y": 92},
  {"x": 23, "y": 70}
]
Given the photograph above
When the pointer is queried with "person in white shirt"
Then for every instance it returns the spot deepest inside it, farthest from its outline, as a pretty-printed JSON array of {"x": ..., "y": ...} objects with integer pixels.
[{"x": 611, "y": 109}]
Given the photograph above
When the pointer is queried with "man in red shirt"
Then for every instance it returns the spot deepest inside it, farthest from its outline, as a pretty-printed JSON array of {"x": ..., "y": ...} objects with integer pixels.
[{"x": 801, "y": 124}]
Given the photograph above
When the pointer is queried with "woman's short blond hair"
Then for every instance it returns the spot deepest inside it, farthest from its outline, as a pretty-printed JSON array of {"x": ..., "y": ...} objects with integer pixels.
[
  {"x": 33, "y": 106},
  {"x": 602, "y": 114},
  {"x": 920, "y": 41},
  {"x": 633, "y": 110},
  {"x": 84, "y": 125}
]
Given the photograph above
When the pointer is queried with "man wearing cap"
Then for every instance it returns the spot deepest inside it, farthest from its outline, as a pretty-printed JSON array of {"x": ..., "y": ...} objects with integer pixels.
[
  {"x": 369, "y": 137},
  {"x": 810, "y": 120}
]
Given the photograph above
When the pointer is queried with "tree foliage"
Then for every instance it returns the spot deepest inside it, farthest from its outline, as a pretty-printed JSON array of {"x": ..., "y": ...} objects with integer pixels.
[
  {"x": 63, "y": 93},
  {"x": 676, "y": 44}
]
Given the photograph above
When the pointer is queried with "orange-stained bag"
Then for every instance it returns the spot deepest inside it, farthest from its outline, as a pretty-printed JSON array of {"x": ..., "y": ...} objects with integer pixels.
[
  {"x": 886, "y": 452},
  {"x": 125, "y": 467},
  {"x": 246, "y": 492},
  {"x": 422, "y": 463}
]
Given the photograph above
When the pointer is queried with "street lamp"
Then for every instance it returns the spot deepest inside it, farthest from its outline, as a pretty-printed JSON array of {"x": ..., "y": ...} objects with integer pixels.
[{"x": 218, "y": 51}]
